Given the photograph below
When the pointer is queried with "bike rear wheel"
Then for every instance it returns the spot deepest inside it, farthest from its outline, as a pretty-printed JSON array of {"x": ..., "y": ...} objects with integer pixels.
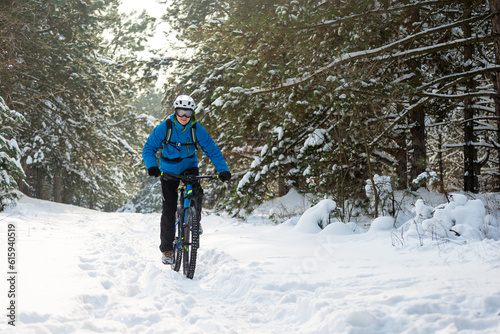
[{"x": 191, "y": 242}]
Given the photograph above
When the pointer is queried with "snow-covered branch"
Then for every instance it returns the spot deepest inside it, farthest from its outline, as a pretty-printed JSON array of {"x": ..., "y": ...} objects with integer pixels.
[
  {"x": 466, "y": 74},
  {"x": 461, "y": 96},
  {"x": 476, "y": 144},
  {"x": 379, "y": 11},
  {"x": 375, "y": 55}
]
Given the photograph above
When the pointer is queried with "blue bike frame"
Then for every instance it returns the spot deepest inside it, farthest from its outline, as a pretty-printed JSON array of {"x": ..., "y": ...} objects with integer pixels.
[
  {"x": 186, "y": 250},
  {"x": 186, "y": 196}
]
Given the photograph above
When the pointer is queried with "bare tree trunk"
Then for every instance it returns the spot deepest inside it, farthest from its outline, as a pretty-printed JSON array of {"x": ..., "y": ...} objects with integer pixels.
[
  {"x": 470, "y": 151},
  {"x": 402, "y": 157},
  {"x": 67, "y": 197},
  {"x": 440, "y": 159},
  {"x": 495, "y": 31},
  {"x": 40, "y": 184},
  {"x": 419, "y": 152},
  {"x": 368, "y": 153},
  {"x": 58, "y": 187},
  {"x": 418, "y": 156}
]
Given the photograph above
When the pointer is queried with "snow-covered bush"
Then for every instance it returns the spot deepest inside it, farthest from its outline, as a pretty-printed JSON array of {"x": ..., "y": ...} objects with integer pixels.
[
  {"x": 382, "y": 223},
  {"x": 339, "y": 228},
  {"x": 461, "y": 218},
  {"x": 317, "y": 218},
  {"x": 429, "y": 177}
]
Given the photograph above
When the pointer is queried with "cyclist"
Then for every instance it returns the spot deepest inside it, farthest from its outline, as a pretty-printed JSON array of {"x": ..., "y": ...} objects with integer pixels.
[{"x": 178, "y": 156}]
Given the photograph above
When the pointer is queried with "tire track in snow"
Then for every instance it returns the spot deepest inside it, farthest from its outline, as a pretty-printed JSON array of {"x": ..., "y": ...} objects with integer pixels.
[
  {"x": 140, "y": 292},
  {"x": 117, "y": 259}
]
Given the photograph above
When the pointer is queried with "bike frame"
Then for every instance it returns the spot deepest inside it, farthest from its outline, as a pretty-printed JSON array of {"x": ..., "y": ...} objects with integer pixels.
[
  {"x": 181, "y": 245},
  {"x": 186, "y": 194}
]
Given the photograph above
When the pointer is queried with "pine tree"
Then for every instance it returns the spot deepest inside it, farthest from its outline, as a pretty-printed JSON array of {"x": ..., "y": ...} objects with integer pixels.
[
  {"x": 74, "y": 86},
  {"x": 10, "y": 155},
  {"x": 324, "y": 96}
]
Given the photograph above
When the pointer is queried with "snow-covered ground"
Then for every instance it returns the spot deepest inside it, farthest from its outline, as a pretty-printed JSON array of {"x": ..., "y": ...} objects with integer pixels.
[{"x": 83, "y": 271}]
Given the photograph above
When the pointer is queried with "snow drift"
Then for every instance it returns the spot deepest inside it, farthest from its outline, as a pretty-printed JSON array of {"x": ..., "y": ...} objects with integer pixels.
[{"x": 87, "y": 271}]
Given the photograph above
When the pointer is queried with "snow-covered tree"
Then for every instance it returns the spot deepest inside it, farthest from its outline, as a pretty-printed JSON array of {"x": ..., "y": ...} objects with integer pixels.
[
  {"x": 323, "y": 95},
  {"x": 10, "y": 155},
  {"x": 71, "y": 69}
]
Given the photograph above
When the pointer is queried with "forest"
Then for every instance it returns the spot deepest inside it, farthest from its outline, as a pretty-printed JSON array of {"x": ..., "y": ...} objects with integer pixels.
[{"x": 331, "y": 98}]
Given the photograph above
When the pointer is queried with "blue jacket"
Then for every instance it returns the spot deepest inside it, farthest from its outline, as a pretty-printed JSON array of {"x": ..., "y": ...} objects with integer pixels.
[{"x": 181, "y": 134}]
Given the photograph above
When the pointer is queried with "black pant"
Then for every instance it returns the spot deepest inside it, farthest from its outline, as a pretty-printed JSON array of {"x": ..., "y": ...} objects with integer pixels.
[{"x": 169, "y": 207}]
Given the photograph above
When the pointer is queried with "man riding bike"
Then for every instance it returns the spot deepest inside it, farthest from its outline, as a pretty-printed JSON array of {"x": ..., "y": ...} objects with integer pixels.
[{"x": 180, "y": 139}]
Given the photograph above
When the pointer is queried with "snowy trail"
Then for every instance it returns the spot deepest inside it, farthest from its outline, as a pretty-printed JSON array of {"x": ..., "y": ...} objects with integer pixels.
[{"x": 86, "y": 271}]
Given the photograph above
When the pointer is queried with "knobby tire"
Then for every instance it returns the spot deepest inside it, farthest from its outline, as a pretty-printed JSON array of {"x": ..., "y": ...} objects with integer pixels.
[{"x": 191, "y": 242}]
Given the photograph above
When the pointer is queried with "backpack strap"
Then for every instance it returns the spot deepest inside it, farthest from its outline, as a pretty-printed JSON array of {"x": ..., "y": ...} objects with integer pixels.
[
  {"x": 169, "y": 131},
  {"x": 193, "y": 136}
]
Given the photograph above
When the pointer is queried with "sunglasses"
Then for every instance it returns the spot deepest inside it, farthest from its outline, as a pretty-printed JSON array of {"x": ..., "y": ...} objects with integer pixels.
[{"x": 184, "y": 112}]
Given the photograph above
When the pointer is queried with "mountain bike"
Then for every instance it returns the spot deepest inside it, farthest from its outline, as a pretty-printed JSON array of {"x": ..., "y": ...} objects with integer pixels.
[{"x": 187, "y": 224}]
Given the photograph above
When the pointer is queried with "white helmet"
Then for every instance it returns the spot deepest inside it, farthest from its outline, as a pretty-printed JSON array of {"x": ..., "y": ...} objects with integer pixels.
[{"x": 184, "y": 101}]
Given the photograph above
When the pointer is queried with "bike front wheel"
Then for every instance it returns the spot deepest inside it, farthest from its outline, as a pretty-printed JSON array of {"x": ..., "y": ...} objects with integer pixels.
[{"x": 191, "y": 242}]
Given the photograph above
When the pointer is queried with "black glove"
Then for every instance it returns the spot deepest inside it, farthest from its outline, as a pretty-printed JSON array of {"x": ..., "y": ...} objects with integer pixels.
[
  {"x": 154, "y": 171},
  {"x": 225, "y": 176}
]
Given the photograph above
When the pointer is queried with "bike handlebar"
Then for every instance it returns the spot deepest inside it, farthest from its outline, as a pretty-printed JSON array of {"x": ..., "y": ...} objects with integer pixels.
[{"x": 188, "y": 178}]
